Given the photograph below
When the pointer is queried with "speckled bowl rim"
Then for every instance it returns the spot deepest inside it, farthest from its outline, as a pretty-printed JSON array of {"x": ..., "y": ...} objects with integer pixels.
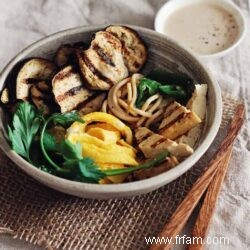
[
  {"x": 113, "y": 190},
  {"x": 161, "y": 14}
]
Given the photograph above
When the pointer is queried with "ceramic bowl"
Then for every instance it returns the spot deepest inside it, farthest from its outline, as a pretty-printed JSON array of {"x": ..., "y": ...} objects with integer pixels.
[
  {"x": 162, "y": 52},
  {"x": 168, "y": 8}
]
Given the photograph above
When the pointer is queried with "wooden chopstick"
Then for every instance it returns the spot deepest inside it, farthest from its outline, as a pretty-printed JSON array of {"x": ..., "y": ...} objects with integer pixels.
[
  {"x": 205, "y": 215},
  {"x": 183, "y": 212}
]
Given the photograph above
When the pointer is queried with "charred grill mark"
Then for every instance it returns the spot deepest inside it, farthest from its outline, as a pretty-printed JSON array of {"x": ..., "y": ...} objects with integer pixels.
[
  {"x": 102, "y": 55},
  {"x": 64, "y": 74},
  {"x": 132, "y": 31},
  {"x": 115, "y": 35},
  {"x": 144, "y": 136},
  {"x": 158, "y": 142},
  {"x": 171, "y": 108},
  {"x": 181, "y": 116},
  {"x": 73, "y": 91},
  {"x": 113, "y": 40},
  {"x": 94, "y": 71},
  {"x": 68, "y": 93}
]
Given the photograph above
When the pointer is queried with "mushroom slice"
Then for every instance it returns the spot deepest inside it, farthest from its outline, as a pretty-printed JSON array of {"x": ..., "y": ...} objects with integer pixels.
[
  {"x": 41, "y": 99},
  {"x": 93, "y": 104},
  {"x": 5, "y": 96},
  {"x": 44, "y": 87},
  {"x": 133, "y": 49},
  {"x": 33, "y": 70},
  {"x": 68, "y": 89},
  {"x": 63, "y": 54}
]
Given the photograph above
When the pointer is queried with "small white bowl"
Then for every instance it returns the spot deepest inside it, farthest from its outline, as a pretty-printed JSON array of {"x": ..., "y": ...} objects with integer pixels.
[{"x": 168, "y": 8}]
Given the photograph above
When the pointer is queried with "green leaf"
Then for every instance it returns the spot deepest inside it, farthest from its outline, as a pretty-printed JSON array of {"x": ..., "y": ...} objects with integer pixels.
[
  {"x": 177, "y": 80},
  {"x": 66, "y": 119},
  {"x": 90, "y": 171},
  {"x": 173, "y": 90},
  {"x": 49, "y": 141},
  {"x": 70, "y": 150},
  {"x": 16, "y": 143},
  {"x": 25, "y": 125},
  {"x": 146, "y": 88}
]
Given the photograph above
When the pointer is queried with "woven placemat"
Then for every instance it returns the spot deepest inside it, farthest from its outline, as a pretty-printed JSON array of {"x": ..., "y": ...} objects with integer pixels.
[{"x": 39, "y": 215}]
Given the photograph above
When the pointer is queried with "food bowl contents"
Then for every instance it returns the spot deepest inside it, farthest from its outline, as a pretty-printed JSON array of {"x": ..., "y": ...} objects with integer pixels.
[
  {"x": 92, "y": 116},
  {"x": 205, "y": 28}
]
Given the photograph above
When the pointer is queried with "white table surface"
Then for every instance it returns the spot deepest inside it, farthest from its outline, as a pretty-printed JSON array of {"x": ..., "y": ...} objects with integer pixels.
[{"x": 25, "y": 21}]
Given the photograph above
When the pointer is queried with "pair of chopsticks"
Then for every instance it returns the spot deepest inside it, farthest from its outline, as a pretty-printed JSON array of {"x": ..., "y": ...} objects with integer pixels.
[{"x": 210, "y": 182}]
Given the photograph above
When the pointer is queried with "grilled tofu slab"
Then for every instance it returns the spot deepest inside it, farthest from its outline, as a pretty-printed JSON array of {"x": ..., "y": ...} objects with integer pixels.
[
  {"x": 152, "y": 144},
  {"x": 198, "y": 105},
  {"x": 33, "y": 70},
  {"x": 133, "y": 49},
  {"x": 69, "y": 90},
  {"x": 102, "y": 65},
  {"x": 178, "y": 120},
  {"x": 169, "y": 163}
]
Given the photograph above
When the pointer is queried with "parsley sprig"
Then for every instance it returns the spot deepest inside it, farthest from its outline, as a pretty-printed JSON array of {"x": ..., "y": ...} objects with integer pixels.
[
  {"x": 28, "y": 133},
  {"x": 25, "y": 125},
  {"x": 74, "y": 164}
]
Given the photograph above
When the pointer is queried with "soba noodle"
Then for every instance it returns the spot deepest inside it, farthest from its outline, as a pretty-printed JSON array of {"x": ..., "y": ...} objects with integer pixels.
[{"x": 121, "y": 102}]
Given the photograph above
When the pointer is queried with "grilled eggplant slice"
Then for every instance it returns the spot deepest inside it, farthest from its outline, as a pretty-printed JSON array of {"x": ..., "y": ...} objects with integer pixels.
[
  {"x": 92, "y": 105},
  {"x": 33, "y": 70},
  {"x": 133, "y": 49},
  {"x": 102, "y": 65},
  {"x": 5, "y": 96},
  {"x": 68, "y": 89},
  {"x": 152, "y": 144}
]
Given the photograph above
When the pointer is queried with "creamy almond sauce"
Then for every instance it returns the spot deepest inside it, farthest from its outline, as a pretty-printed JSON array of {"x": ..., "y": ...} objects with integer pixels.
[{"x": 205, "y": 28}]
